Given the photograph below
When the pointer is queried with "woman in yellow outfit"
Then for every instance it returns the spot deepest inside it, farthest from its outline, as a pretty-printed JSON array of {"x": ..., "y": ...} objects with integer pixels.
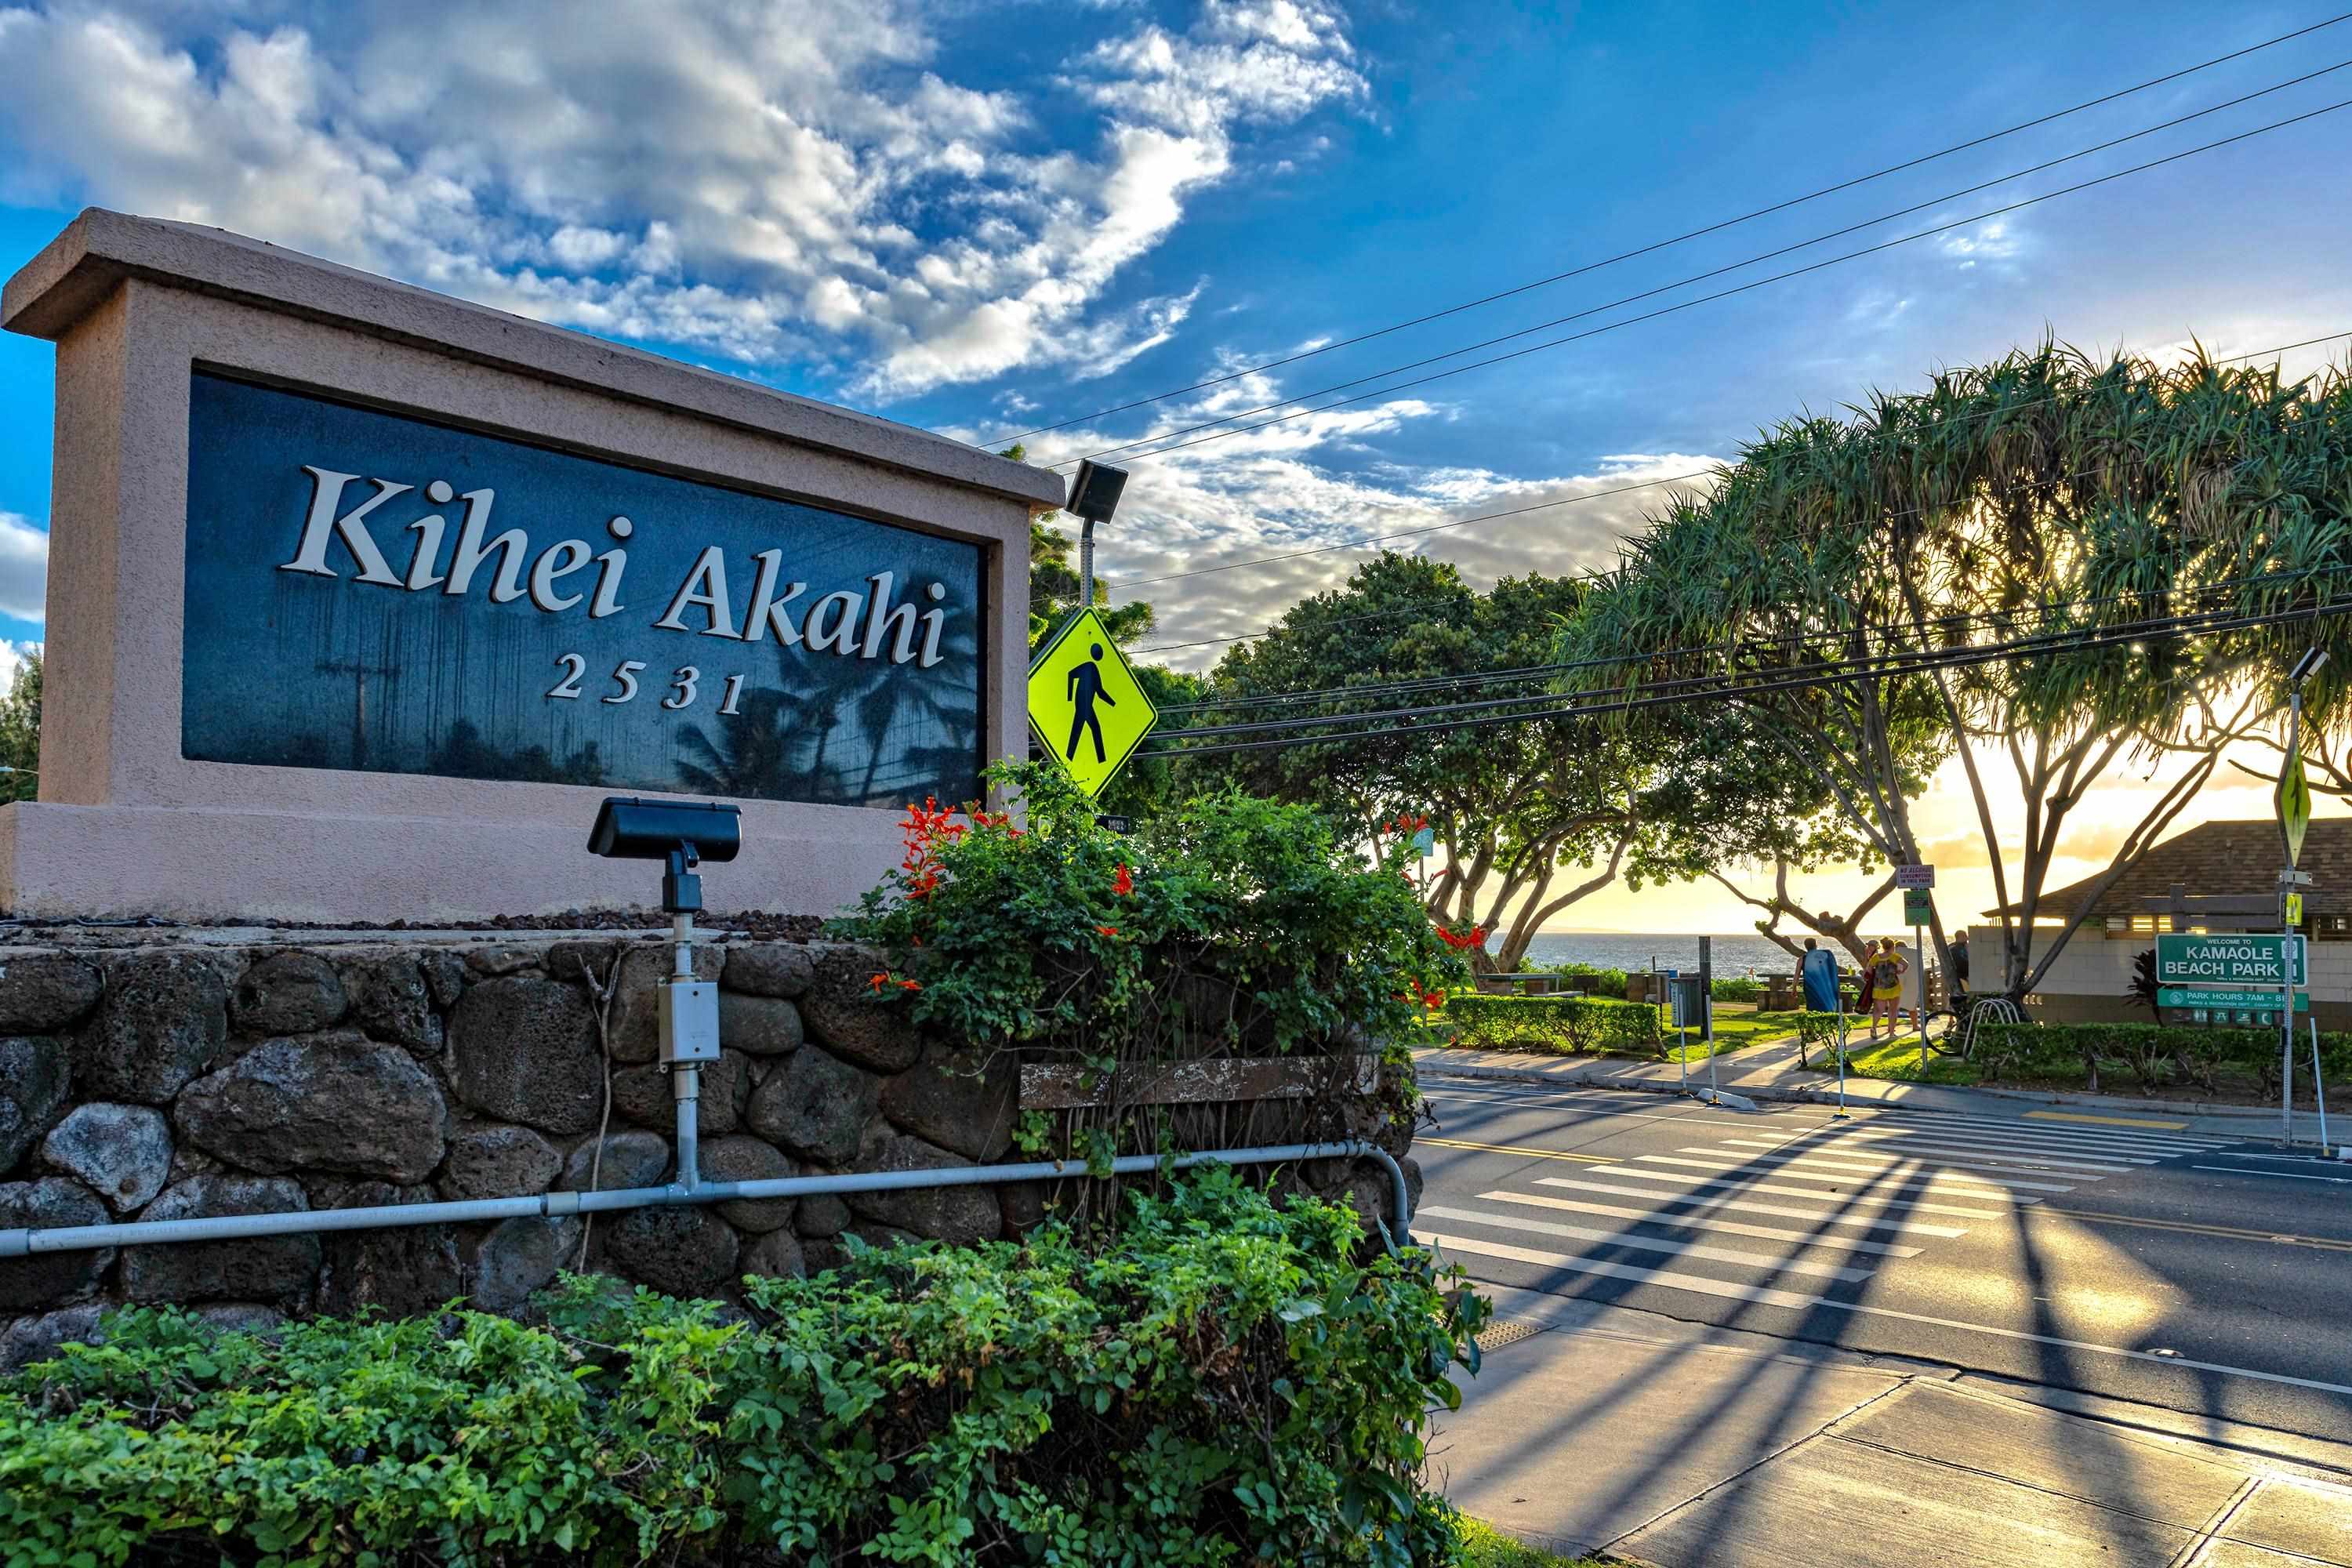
[{"x": 1884, "y": 976}]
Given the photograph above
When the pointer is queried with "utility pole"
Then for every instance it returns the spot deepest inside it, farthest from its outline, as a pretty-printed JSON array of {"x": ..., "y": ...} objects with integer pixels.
[
  {"x": 2294, "y": 816},
  {"x": 359, "y": 672}
]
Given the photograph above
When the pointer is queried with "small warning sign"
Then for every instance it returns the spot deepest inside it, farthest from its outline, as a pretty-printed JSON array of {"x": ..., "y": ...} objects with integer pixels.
[{"x": 1085, "y": 704}]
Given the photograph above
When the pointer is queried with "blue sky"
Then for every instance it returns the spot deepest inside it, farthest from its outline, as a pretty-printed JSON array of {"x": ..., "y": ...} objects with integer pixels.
[{"x": 983, "y": 218}]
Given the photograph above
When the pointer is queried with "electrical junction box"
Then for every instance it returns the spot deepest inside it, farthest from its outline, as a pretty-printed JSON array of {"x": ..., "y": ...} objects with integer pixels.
[{"x": 689, "y": 1010}]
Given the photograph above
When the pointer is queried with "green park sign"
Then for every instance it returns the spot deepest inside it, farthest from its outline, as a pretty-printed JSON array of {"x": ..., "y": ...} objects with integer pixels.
[
  {"x": 2227, "y": 959},
  {"x": 2214, "y": 999}
]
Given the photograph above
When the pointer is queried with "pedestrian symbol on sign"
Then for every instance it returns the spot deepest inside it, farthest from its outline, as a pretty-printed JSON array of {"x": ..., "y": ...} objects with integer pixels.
[{"x": 1085, "y": 706}]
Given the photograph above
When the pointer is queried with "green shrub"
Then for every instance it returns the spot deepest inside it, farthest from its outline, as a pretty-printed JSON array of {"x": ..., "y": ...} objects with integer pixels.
[
  {"x": 2153, "y": 1056},
  {"x": 1234, "y": 922},
  {"x": 1226, "y": 1384},
  {"x": 1604, "y": 982},
  {"x": 1737, "y": 988},
  {"x": 1565, "y": 1025}
]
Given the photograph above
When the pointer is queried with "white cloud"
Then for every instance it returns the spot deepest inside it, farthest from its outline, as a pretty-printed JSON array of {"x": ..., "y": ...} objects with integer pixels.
[
  {"x": 761, "y": 182},
  {"x": 23, "y": 568},
  {"x": 12, "y": 660}
]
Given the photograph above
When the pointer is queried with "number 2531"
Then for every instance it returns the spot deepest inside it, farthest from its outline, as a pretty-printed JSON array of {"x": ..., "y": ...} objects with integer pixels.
[{"x": 685, "y": 684}]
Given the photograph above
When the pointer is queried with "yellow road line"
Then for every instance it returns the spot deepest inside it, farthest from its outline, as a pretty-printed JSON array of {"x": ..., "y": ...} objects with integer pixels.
[
  {"x": 2105, "y": 1120},
  {"x": 2282, "y": 1238},
  {"x": 1518, "y": 1149}
]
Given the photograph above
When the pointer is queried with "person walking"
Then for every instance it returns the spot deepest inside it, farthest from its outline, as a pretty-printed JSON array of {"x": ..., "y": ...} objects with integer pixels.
[
  {"x": 1083, "y": 689},
  {"x": 1885, "y": 979},
  {"x": 1959, "y": 968}
]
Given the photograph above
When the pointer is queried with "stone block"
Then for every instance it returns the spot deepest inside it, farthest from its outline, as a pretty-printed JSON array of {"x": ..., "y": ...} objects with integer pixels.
[
  {"x": 503, "y": 959},
  {"x": 391, "y": 1001},
  {"x": 759, "y": 1025},
  {"x": 49, "y": 1278},
  {"x": 122, "y": 1153},
  {"x": 520, "y": 1256},
  {"x": 683, "y": 1251},
  {"x": 162, "y": 1022},
  {"x": 35, "y": 1077},
  {"x": 498, "y": 1163},
  {"x": 338, "y": 1102},
  {"x": 636, "y": 1028},
  {"x": 401, "y": 1271},
  {"x": 848, "y": 1017},
  {"x": 775, "y": 1255},
  {"x": 289, "y": 994},
  {"x": 644, "y": 1095},
  {"x": 30, "y": 1340},
  {"x": 770, "y": 968},
  {"x": 750, "y": 1160},
  {"x": 43, "y": 990},
  {"x": 526, "y": 1051},
  {"x": 630, "y": 1160},
  {"x": 964, "y": 1101},
  {"x": 260, "y": 1268},
  {"x": 822, "y": 1214},
  {"x": 960, "y": 1215},
  {"x": 445, "y": 976},
  {"x": 587, "y": 965},
  {"x": 815, "y": 1105}
]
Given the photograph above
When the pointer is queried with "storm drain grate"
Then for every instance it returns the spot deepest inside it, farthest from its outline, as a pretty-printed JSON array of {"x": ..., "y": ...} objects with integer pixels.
[{"x": 1506, "y": 1331}]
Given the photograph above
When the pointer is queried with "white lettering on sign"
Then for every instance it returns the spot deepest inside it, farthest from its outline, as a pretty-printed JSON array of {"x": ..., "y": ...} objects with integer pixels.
[{"x": 845, "y": 622}]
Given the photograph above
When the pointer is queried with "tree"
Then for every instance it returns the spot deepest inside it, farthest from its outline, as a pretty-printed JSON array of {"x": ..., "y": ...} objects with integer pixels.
[
  {"x": 20, "y": 732},
  {"x": 1531, "y": 818},
  {"x": 2045, "y": 496}
]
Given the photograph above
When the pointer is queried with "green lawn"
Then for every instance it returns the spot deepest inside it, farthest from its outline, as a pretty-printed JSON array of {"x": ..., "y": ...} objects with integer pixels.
[
  {"x": 1733, "y": 1029},
  {"x": 1897, "y": 1061},
  {"x": 1490, "y": 1548}
]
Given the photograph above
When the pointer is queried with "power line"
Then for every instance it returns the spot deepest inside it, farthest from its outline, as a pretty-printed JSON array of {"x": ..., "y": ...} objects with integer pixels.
[
  {"x": 1597, "y": 495},
  {"x": 2148, "y": 632},
  {"x": 1743, "y": 288},
  {"x": 1884, "y": 660},
  {"x": 1711, "y": 272},
  {"x": 1680, "y": 238},
  {"x": 2043, "y": 611}
]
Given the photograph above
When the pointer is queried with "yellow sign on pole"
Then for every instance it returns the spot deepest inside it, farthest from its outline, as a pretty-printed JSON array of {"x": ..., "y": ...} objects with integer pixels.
[
  {"x": 2295, "y": 908},
  {"x": 1085, "y": 704},
  {"x": 2293, "y": 804}
]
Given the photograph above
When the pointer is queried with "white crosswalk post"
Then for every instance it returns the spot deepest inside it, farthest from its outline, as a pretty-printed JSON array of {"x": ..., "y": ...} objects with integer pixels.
[{"x": 2318, "y": 1084}]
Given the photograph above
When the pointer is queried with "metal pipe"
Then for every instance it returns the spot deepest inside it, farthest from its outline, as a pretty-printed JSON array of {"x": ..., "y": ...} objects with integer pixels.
[
  {"x": 22, "y": 1242},
  {"x": 2319, "y": 1086},
  {"x": 1086, "y": 563},
  {"x": 685, "y": 1077}
]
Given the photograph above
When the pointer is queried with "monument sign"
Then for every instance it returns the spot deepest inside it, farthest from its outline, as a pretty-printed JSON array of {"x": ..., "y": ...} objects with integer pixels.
[{"x": 361, "y": 598}]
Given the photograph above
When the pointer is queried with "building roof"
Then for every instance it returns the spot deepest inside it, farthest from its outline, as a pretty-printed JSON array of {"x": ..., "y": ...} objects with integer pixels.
[{"x": 2219, "y": 860}]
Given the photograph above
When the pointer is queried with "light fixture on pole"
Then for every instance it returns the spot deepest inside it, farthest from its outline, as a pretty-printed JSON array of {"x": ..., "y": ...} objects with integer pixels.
[{"x": 1095, "y": 490}]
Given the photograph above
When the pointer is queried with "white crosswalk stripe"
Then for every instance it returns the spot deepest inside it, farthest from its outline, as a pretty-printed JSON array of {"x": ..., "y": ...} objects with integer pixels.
[
  {"x": 1699, "y": 1222},
  {"x": 1819, "y": 1206},
  {"x": 1849, "y": 1171}
]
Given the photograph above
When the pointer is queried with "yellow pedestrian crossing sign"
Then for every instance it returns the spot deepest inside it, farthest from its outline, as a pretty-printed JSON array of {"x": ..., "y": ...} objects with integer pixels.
[
  {"x": 1085, "y": 705},
  {"x": 2293, "y": 800}
]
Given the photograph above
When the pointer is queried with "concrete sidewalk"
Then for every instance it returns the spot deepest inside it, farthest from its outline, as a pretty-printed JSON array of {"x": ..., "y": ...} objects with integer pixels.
[
  {"x": 1771, "y": 1072},
  {"x": 1596, "y": 1428}
]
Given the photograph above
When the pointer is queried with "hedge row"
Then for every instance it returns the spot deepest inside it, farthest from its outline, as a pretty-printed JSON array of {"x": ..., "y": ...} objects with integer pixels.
[
  {"x": 2154, "y": 1055},
  {"x": 1568, "y": 1025},
  {"x": 1223, "y": 1383}
]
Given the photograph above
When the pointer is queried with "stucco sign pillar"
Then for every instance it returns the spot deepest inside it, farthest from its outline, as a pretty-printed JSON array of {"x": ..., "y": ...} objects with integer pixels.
[{"x": 362, "y": 597}]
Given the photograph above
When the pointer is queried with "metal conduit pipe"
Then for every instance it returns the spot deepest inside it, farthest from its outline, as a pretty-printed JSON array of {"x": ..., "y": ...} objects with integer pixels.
[{"x": 22, "y": 1242}]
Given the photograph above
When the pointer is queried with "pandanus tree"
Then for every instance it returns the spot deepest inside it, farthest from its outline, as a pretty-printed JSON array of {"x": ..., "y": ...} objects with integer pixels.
[{"x": 2073, "y": 511}]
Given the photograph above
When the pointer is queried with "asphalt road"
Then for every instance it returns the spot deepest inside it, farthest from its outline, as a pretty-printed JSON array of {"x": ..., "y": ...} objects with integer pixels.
[{"x": 2120, "y": 1256}]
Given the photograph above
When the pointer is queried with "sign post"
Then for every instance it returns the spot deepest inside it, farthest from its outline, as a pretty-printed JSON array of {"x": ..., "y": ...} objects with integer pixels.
[
  {"x": 2293, "y": 803},
  {"x": 1085, "y": 707},
  {"x": 1918, "y": 912}
]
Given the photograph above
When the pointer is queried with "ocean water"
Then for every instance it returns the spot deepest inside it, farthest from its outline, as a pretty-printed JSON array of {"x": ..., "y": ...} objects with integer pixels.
[{"x": 1737, "y": 954}]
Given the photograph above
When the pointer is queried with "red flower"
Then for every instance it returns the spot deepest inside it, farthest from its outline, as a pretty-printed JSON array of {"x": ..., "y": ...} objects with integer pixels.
[
  {"x": 910, "y": 985},
  {"x": 1125, "y": 886},
  {"x": 879, "y": 982},
  {"x": 1432, "y": 999},
  {"x": 1107, "y": 930}
]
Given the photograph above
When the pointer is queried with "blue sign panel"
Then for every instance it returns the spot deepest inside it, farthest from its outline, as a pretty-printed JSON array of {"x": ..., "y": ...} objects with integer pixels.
[{"x": 371, "y": 591}]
